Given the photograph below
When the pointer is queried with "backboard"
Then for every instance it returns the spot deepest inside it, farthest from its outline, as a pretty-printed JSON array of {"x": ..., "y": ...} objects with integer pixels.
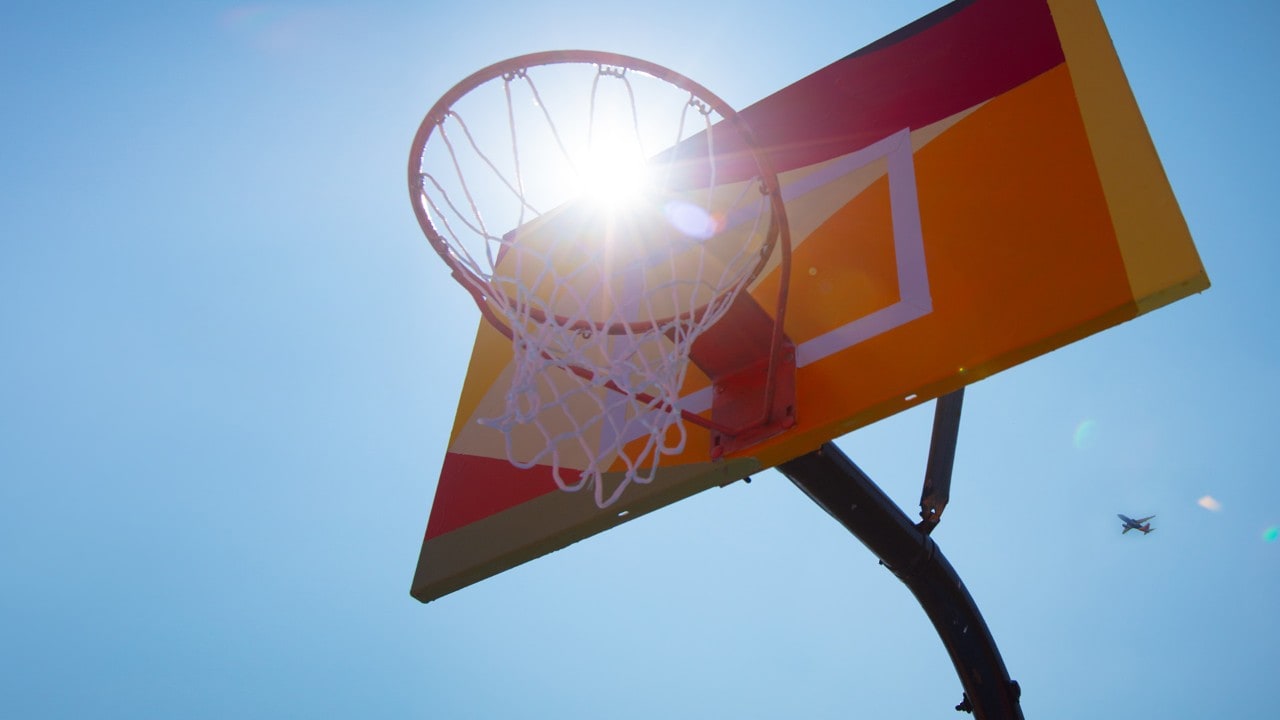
[{"x": 965, "y": 194}]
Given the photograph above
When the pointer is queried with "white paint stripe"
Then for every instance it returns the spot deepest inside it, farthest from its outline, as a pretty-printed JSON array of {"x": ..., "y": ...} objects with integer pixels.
[{"x": 914, "y": 299}]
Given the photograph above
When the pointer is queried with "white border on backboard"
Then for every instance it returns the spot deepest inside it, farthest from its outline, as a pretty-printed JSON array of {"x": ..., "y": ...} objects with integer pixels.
[{"x": 914, "y": 299}]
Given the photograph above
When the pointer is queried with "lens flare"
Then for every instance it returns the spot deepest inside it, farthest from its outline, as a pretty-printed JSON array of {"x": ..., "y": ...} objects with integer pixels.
[
  {"x": 1084, "y": 434},
  {"x": 1209, "y": 503},
  {"x": 692, "y": 220},
  {"x": 273, "y": 28},
  {"x": 1271, "y": 534}
]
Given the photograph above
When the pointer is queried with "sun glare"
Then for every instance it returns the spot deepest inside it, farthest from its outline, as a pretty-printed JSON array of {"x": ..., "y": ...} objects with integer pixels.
[{"x": 614, "y": 176}]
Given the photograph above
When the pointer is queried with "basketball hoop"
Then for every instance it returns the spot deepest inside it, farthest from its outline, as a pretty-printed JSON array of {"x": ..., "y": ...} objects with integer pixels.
[{"x": 602, "y": 290}]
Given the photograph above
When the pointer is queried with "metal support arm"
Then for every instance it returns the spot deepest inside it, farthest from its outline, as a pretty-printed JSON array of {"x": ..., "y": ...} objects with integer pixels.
[
  {"x": 840, "y": 487},
  {"x": 936, "y": 492}
]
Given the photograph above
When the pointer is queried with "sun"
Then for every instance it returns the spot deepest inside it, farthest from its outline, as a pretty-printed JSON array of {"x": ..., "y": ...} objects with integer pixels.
[{"x": 614, "y": 176}]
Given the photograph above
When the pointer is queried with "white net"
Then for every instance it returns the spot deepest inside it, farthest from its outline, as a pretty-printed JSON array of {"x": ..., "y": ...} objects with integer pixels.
[{"x": 602, "y": 261}]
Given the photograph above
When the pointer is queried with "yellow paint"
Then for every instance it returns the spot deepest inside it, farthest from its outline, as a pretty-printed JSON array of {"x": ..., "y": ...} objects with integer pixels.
[
  {"x": 489, "y": 359},
  {"x": 1161, "y": 259}
]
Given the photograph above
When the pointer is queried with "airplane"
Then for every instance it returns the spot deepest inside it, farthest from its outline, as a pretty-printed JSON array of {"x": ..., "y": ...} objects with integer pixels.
[{"x": 1131, "y": 524}]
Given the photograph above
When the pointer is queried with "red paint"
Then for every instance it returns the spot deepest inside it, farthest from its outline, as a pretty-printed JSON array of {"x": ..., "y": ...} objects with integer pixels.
[
  {"x": 948, "y": 61},
  {"x": 473, "y": 488}
]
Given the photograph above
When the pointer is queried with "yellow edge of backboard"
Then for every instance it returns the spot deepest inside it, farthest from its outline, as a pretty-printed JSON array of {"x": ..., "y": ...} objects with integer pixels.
[
  {"x": 1160, "y": 258},
  {"x": 547, "y": 523}
]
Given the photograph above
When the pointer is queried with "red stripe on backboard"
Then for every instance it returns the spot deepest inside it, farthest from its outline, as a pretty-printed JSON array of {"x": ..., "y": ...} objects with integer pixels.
[
  {"x": 473, "y": 488},
  {"x": 977, "y": 53},
  {"x": 958, "y": 57}
]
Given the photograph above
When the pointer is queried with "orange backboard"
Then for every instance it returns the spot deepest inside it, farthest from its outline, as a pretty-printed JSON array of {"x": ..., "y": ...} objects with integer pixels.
[{"x": 970, "y": 192}]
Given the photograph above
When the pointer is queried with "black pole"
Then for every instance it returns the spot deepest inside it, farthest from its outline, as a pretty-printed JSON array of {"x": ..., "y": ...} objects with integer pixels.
[{"x": 840, "y": 487}]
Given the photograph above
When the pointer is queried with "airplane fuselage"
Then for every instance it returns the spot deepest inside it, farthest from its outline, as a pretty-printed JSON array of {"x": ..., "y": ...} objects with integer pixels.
[{"x": 1139, "y": 524}]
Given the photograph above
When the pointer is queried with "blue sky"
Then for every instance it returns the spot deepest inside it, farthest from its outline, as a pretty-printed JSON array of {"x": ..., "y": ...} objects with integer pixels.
[{"x": 229, "y": 365}]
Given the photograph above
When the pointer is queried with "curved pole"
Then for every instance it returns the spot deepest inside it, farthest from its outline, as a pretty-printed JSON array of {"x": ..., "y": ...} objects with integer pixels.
[{"x": 841, "y": 488}]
